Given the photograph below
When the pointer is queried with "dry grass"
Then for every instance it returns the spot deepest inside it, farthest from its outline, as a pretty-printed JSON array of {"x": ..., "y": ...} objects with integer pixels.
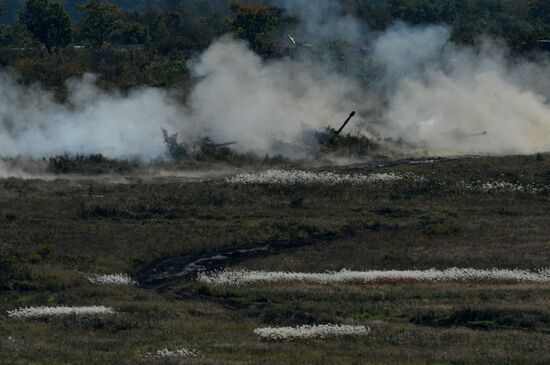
[{"x": 52, "y": 230}]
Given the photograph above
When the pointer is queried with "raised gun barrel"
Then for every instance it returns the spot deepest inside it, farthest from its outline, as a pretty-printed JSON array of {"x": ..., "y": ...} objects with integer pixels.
[{"x": 344, "y": 125}]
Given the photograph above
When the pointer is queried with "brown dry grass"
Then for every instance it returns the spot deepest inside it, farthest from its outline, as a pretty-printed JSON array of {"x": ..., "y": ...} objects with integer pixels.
[{"x": 50, "y": 231}]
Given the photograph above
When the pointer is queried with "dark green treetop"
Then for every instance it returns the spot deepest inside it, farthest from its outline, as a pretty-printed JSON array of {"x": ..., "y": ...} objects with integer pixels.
[
  {"x": 257, "y": 24},
  {"x": 48, "y": 23},
  {"x": 100, "y": 21}
]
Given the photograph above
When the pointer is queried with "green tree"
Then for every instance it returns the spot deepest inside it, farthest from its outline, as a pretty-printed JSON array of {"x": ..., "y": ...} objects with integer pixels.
[
  {"x": 2, "y": 28},
  {"x": 539, "y": 14},
  {"x": 376, "y": 15},
  {"x": 7, "y": 272},
  {"x": 48, "y": 23},
  {"x": 183, "y": 33},
  {"x": 133, "y": 30},
  {"x": 257, "y": 24},
  {"x": 100, "y": 21},
  {"x": 416, "y": 11}
]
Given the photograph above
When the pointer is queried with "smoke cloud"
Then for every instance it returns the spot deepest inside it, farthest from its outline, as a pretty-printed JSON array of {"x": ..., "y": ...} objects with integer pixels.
[
  {"x": 33, "y": 123},
  {"x": 237, "y": 97},
  {"x": 323, "y": 21},
  {"x": 413, "y": 84},
  {"x": 456, "y": 100},
  {"x": 241, "y": 97}
]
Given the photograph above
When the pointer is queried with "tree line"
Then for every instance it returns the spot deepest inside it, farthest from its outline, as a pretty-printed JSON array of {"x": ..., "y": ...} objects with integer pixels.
[
  {"x": 516, "y": 21},
  {"x": 147, "y": 42},
  {"x": 47, "y": 23}
]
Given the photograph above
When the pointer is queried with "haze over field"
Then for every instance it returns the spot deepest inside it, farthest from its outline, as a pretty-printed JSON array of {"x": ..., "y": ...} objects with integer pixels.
[{"x": 421, "y": 88}]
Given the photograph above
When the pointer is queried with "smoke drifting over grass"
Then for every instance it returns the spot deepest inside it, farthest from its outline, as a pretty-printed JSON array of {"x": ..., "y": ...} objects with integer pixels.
[{"x": 430, "y": 92}]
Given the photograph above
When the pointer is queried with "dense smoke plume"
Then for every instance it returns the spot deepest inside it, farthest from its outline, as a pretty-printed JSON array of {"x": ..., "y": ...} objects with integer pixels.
[
  {"x": 237, "y": 97},
  {"x": 420, "y": 87},
  {"x": 93, "y": 121},
  {"x": 445, "y": 96},
  {"x": 240, "y": 97}
]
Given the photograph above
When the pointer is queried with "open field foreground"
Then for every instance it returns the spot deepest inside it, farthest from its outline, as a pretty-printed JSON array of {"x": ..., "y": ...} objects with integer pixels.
[{"x": 435, "y": 262}]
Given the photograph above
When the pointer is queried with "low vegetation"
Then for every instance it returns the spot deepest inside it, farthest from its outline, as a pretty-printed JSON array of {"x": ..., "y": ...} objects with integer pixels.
[{"x": 56, "y": 235}]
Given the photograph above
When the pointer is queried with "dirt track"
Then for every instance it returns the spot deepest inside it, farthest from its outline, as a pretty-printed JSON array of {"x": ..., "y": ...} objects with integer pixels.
[
  {"x": 173, "y": 273},
  {"x": 165, "y": 274}
]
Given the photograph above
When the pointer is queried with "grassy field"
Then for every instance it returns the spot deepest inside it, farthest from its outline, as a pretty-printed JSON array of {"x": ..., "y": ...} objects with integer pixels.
[{"x": 478, "y": 213}]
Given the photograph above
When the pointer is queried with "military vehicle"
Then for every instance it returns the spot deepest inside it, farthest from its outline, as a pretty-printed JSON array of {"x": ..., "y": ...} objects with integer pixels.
[
  {"x": 329, "y": 135},
  {"x": 182, "y": 150},
  {"x": 459, "y": 134},
  {"x": 206, "y": 144}
]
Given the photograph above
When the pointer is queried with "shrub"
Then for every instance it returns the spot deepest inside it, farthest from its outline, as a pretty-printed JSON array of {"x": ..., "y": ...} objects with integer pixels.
[
  {"x": 176, "y": 150},
  {"x": 7, "y": 273},
  {"x": 88, "y": 164},
  {"x": 440, "y": 230}
]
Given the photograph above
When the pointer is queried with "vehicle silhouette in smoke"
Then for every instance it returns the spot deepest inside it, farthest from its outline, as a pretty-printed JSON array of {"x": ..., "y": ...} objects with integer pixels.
[
  {"x": 329, "y": 135},
  {"x": 206, "y": 143},
  {"x": 459, "y": 134},
  {"x": 313, "y": 143},
  {"x": 200, "y": 148},
  {"x": 310, "y": 143}
]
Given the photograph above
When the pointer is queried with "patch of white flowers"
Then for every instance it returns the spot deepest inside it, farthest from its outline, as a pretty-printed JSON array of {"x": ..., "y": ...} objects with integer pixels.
[
  {"x": 112, "y": 279},
  {"x": 171, "y": 354},
  {"x": 243, "y": 277},
  {"x": 289, "y": 177},
  {"x": 306, "y": 332},
  {"x": 502, "y": 186},
  {"x": 36, "y": 312}
]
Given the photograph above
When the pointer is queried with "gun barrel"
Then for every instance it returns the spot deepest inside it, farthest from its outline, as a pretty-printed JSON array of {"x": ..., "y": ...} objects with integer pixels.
[
  {"x": 225, "y": 144},
  {"x": 345, "y": 123},
  {"x": 484, "y": 133}
]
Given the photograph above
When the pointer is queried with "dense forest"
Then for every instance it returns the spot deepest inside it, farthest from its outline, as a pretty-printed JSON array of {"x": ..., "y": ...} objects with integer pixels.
[
  {"x": 131, "y": 43},
  {"x": 13, "y": 7}
]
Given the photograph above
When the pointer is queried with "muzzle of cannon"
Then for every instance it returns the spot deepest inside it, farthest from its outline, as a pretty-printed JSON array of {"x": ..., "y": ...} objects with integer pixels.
[
  {"x": 206, "y": 143},
  {"x": 352, "y": 114},
  {"x": 329, "y": 134}
]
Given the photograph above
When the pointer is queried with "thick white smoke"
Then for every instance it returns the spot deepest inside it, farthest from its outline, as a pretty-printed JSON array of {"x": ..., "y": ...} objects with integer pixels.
[
  {"x": 93, "y": 121},
  {"x": 455, "y": 100},
  {"x": 243, "y": 98},
  {"x": 405, "y": 51},
  {"x": 430, "y": 92},
  {"x": 237, "y": 97}
]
